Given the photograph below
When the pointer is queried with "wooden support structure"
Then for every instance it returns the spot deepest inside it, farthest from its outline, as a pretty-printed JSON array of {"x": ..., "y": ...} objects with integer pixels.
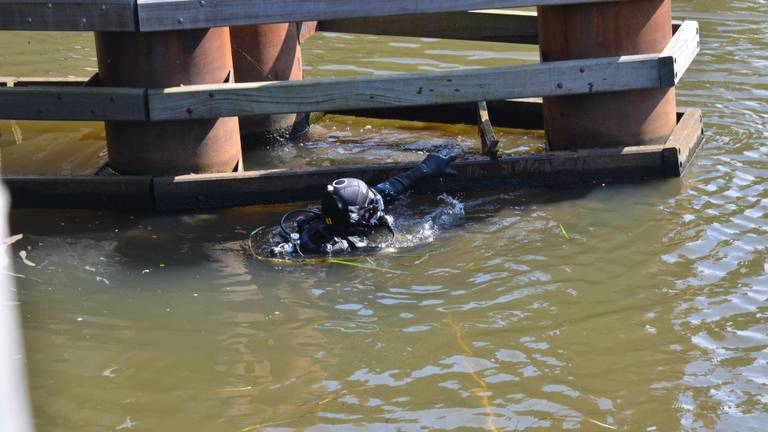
[
  {"x": 283, "y": 185},
  {"x": 157, "y": 105},
  {"x": 554, "y": 79},
  {"x": 572, "y": 77}
]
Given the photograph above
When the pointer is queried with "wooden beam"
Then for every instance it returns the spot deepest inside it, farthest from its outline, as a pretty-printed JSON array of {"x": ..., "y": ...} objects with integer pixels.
[
  {"x": 683, "y": 144},
  {"x": 68, "y": 102},
  {"x": 156, "y": 15},
  {"x": 486, "y": 25},
  {"x": 599, "y": 75},
  {"x": 684, "y": 47},
  {"x": 282, "y": 186},
  {"x": 72, "y": 15},
  {"x": 489, "y": 25},
  {"x": 90, "y": 192}
]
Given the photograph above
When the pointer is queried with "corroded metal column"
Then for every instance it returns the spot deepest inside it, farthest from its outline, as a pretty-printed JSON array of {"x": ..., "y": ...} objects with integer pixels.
[
  {"x": 167, "y": 59},
  {"x": 268, "y": 52},
  {"x": 605, "y": 30}
]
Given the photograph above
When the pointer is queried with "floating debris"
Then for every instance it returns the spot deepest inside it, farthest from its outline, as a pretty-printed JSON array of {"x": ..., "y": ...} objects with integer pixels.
[
  {"x": 23, "y": 255},
  {"x": 17, "y": 135},
  {"x": 127, "y": 424}
]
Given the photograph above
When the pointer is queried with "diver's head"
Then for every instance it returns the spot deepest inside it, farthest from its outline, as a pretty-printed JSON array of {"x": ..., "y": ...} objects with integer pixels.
[{"x": 350, "y": 204}]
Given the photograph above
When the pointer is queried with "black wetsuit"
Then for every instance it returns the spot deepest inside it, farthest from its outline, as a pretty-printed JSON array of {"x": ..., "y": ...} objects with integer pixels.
[{"x": 318, "y": 238}]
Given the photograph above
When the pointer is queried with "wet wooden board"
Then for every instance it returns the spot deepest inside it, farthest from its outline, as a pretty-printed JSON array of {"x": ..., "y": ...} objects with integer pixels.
[
  {"x": 72, "y": 15},
  {"x": 156, "y": 15},
  {"x": 90, "y": 192},
  {"x": 683, "y": 144},
  {"x": 193, "y": 192}
]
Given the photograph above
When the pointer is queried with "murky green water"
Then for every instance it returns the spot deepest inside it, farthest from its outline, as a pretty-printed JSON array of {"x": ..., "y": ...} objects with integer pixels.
[{"x": 650, "y": 316}]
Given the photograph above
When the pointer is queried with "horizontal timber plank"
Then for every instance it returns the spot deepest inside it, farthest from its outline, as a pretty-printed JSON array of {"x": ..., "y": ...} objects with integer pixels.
[
  {"x": 82, "y": 192},
  {"x": 70, "y": 102},
  {"x": 72, "y": 15},
  {"x": 155, "y": 15},
  {"x": 487, "y": 25},
  {"x": 562, "y": 78}
]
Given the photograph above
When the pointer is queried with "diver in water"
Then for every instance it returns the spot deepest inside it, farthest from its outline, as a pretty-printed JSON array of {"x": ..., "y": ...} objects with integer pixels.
[{"x": 351, "y": 214}]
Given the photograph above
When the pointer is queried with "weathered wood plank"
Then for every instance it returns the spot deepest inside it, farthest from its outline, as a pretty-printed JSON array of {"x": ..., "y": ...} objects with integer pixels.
[
  {"x": 83, "y": 192},
  {"x": 68, "y": 102},
  {"x": 684, "y": 47},
  {"x": 489, "y": 144},
  {"x": 572, "y": 77},
  {"x": 155, "y": 15},
  {"x": 486, "y": 25},
  {"x": 683, "y": 144},
  {"x": 73, "y": 15}
]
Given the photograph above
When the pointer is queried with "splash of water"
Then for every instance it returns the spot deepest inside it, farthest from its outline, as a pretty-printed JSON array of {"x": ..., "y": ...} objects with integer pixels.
[{"x": 413, "y": 230}]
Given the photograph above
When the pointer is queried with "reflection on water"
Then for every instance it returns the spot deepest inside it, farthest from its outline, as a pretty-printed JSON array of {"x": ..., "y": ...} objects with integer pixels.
[{"x": 631, "y": 307}]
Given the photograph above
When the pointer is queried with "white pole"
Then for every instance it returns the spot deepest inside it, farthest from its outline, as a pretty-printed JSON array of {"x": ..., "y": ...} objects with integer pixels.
[{"x": 15, "y": 412}]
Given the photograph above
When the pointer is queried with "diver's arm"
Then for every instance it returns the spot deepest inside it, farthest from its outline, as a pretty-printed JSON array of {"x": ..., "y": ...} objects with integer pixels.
[{"x": 432, "y": 165}]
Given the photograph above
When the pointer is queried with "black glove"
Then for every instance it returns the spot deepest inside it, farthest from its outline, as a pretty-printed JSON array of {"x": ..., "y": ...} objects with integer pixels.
[{"x": 435, "y": 164}]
